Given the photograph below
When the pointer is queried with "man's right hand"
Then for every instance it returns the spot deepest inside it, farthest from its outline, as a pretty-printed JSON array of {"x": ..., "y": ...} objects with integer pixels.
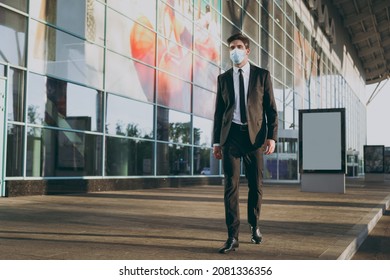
[{"x": 217, "y": 152}]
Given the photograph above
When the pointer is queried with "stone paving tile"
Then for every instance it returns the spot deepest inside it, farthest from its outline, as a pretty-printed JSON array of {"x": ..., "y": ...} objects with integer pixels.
[{"x": 188, "y": 223}]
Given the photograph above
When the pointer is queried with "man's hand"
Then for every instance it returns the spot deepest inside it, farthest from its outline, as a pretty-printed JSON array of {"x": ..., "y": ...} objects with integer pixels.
[
  {"x": 217, "y": 152},
  {"x": 269, "y": 146}
]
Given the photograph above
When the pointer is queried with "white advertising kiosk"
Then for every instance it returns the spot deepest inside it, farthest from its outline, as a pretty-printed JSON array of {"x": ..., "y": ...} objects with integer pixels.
[{"x": 322, "y": 153}]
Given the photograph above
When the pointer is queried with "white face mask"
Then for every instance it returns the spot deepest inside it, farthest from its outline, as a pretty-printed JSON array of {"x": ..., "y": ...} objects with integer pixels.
[{"x": 237, "y": 56}]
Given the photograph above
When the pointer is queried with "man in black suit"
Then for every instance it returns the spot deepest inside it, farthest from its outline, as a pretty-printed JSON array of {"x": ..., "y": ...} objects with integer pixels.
[{"x": 245, "y": 126}]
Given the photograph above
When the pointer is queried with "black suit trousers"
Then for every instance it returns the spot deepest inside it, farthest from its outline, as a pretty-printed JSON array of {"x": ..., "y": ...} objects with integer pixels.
[{"x": 237, "y": 147}]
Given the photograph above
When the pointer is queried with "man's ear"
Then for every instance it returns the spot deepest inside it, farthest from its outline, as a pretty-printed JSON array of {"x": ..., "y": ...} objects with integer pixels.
[{"x": 248, "y": 51}]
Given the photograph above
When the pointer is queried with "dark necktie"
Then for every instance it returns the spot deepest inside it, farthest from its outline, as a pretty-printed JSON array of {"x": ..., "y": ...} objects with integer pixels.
[{"x": 242, "y": 98}]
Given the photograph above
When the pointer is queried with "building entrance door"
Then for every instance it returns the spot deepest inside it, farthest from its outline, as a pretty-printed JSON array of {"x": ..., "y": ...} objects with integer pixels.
[{"x": 3, "y": 127}]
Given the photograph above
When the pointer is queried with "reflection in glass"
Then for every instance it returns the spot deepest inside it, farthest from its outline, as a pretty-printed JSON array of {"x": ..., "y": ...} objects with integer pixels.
[
  {"x": 14, "y": 162},
  {"x": 128, "y": 117},
  {"x": 205, "y": 73},
  {"x": 13, "y": 28},
  {"x": 84, "y": 18},
  {"x": 173, "y": 92},
  {"x": 136, "y": 9},
  {"x": 204, "y": 102},
  {"x": 62, "y": 55},
  {"x": 15, "y": 95},
  {"x": 129, "y": 78},
  {"x": 207, "y": 26},
  {"x": 287, "y": 158},
  {"x": 142, "y": 38},
  {"x": 58, "y": 103},
  {"x": 173, "y": 126},
  {"x": 173, "y": 159},
  {"x": 20, "y": 4},
  {"x": 63, "y": 153},
  {"x": 128, "y": 157},
  {"x": 203, "y": 162},
  {"x": 3, "y": 70},
  {"x": 202, "y": 131}
]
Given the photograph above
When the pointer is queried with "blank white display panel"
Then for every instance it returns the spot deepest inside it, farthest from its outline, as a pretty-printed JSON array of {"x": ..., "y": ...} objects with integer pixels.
[{"x": 322, "y": 146}]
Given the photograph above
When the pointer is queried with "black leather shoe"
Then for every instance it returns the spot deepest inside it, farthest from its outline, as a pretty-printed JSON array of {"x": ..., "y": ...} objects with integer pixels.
[
  {"x": 257, "y": 237},
  {"x": 230, "y": 245}
]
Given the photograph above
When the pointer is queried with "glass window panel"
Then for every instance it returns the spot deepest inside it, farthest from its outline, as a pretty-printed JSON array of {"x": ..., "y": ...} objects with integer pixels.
[
  {"x": 289, "y": 45},
  {"x": 13, "y": 29},
  {"x": 251, "y": 28},
  {"x": 279, "y": 34},
  {"x": 83, "y": 18},
  {"x": 173, "y": 159},
  {"x": 175, "y": 27},
  {"x": 289, "y": 79},
  {"x": 228, "y": 28},
  {"x": 202, "y": 131},
  {"x": 142, "y": 39},
  {"x": 270, "y": 171},
  {"x": 289, "y": 62},
  {"x": 226, "y": 62},
  {"x": 279, "y": 52},
  {"x": 288, "y": 167},
  {"x": 205, "y": 73},
  {"x": 128, "y": 117},
  {"x": 64, "y": 153},
  {"x": 176, "y": 61},
  {"x": 289, "y": 12},
  {"x": 15, "y": 95},
  {"x": 279, "y": 16},
  {"x": 62, "y": 55},
  {"x": 266, "y": 41},
  {"x": 202, "y": 108},
  {"x": 266, "y": 20},
  {"x": 173, "y": 92},
  {"x": 18, "y": 4},
  {"x": 289, "y": 29},
  {"x": 266, "y": 60},
  {"x": 15, "y": 136},
  {"x": 232, "y": 11},
  {"x": 58, "y": 103},
  {"x": 139, "y": 10},
  {"x": 254, "y": 54},
  {"x": 204, "y": 162},
  {"x": 288, "y": 105},
  {"x": 128, "y": 157},
  {"x": 207, "y": 32},
  {"x": 279, "y": 71},
  {"x": 132, "y": 79},
  {"x": 252, "y": 7},
  {"x": 173, "y": 126},
  {"x": 3, "y": 70}
]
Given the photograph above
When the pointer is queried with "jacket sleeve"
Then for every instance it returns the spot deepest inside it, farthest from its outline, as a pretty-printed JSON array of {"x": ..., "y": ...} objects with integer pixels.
[
  {"x": 218, "y": 113},
  {"x": 270, "y": 109}
]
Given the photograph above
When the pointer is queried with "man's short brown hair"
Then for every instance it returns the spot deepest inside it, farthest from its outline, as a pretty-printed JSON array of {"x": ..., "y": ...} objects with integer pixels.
[{"x": 241, "y": 37}]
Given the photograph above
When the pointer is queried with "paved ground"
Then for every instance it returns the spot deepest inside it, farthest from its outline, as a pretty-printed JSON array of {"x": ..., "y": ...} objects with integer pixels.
[
  {"x": 188, "y": 223},
  {"x": 377, "y": 245}
]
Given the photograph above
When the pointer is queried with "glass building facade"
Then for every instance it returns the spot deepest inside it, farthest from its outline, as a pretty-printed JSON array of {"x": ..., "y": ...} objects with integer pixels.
[{"x": 95, "y": 90}]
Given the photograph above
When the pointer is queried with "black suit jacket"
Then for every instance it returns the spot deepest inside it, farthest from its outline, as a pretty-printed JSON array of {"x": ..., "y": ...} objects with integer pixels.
[{"x": 262, "y": 114}]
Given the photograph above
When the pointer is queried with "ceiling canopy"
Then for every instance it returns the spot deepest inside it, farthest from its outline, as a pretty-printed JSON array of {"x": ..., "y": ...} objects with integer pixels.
[{"x": 368, "y": 24}]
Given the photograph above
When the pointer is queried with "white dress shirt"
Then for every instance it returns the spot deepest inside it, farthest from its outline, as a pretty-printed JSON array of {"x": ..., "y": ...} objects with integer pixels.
[{"x": 236, "y": 80}]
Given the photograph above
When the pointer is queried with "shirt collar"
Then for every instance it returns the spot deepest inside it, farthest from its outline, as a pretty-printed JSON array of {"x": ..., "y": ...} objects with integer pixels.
[{"x": 244, "y": 68}]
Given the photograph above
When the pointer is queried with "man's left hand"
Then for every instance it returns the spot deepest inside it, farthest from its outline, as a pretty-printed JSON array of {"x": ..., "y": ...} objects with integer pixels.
[{"x": 269, "y": 146}]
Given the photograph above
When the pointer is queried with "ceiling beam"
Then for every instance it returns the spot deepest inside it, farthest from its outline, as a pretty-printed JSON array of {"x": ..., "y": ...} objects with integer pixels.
[
  {"x": 357, "y": 18},
  {"x": 363, "y": 36},
  {"x": 379, "y": 6},
  {"x": 379, "y": 61},
  {"x": 376, "y": 73}
]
